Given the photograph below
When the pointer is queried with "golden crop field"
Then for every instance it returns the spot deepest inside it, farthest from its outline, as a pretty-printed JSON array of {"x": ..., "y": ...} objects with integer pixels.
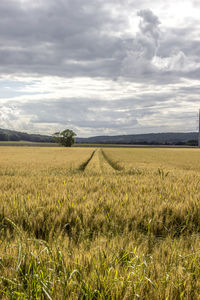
[{"x": 91, "y": 223}]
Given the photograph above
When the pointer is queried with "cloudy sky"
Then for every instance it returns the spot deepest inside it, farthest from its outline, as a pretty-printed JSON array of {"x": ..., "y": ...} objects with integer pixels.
[{"x": 99, "y": 67}]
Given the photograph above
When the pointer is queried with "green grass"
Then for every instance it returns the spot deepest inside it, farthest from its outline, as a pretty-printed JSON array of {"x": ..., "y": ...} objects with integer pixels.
[{"x": 27, "y": 143}]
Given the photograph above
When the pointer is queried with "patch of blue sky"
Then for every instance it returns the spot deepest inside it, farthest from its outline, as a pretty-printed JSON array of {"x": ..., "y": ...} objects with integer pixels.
[{"x": 12, "y": 89}]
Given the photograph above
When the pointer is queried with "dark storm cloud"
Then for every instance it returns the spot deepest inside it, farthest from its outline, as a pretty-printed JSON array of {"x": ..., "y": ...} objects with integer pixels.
[
  {"x": 58, "y": 37},
  {"x": 75, "y": 38},
  {"x": 83, "y": 38}
]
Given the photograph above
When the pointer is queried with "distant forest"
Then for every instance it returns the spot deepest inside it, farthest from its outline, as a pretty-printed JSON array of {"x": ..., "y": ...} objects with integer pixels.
[
  {"x": 9, "y": 135},
  {"x": 170, "y": 138}
]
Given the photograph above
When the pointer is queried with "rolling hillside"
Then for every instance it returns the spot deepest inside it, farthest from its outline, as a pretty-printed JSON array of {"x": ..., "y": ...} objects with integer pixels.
[
  {"x": 170, "y": 138},
  {"x": 10, "y": 135}
]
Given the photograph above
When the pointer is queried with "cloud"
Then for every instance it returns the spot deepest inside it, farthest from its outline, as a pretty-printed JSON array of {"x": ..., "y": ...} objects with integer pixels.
[
  {"x": 159, "y": 59},
  {"x": 149, "y": 25},
  {"x": 89, "y": 39},
  {"x": 147, "y": 111},
  {"x": 67, "y": 38},
  {"x": 177, "y": 62},
  {"x": 144, "y": 47},
  {"x": 98, "y": 66}
]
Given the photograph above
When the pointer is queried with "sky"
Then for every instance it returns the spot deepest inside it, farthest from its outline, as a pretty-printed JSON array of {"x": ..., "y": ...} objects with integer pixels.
[{"x": 99, "y": 67}]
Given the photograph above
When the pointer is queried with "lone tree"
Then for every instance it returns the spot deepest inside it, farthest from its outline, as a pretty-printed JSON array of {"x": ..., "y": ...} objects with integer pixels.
[{"x": 65, "y": 138}]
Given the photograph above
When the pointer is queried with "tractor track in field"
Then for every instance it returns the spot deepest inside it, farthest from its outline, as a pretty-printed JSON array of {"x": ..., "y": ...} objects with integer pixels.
[
  {"x": 99, "y": 162},
  {"x": 111, "y": 162},
  {"x": 83, "y": 166}
]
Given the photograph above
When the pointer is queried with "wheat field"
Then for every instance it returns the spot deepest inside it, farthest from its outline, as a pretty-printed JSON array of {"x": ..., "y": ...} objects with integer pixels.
[{"x": 92, "y": 223}]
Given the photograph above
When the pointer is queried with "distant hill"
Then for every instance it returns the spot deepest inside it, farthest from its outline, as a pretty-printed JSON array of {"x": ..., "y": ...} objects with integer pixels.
[
  {"x": 10, "y": 135},
  {"x": 169, "y": 138}
]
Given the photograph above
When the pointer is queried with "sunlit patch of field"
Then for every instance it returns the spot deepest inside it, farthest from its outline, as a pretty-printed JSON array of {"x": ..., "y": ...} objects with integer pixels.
[
  {"x": 36, "y": 160},
  {"x": 89, "y": 223},
  {"x": 168, "y": 158}
]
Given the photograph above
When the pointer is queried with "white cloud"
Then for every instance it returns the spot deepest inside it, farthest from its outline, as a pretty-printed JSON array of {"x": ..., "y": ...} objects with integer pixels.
[
  {"x": 177, "y": 62},
  {"x": 99, "y": 67}
]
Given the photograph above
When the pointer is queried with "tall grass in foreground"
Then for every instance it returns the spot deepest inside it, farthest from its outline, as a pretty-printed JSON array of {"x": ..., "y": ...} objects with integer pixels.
[{"x": 70, "y": 234}]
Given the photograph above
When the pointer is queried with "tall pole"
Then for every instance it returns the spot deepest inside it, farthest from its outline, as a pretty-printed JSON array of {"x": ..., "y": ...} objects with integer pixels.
[{"x": 199, "y": 131}]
